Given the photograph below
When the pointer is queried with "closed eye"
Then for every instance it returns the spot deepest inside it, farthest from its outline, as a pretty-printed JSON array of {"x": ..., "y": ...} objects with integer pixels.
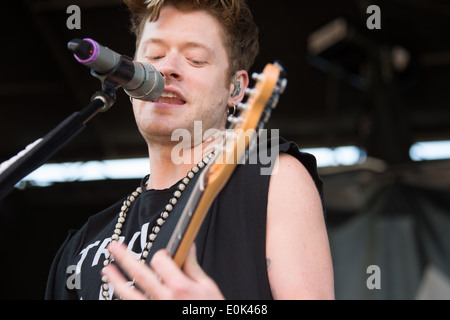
[
  {"x": 196, "y": 62},
  {"x": 154, "y": 58}
]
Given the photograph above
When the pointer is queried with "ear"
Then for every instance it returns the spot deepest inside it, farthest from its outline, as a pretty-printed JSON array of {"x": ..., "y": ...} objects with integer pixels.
[{"x": 237, "y": 95}]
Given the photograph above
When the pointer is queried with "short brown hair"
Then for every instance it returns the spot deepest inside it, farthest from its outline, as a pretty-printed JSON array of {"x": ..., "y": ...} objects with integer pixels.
[{"x": 241, "y": 32}]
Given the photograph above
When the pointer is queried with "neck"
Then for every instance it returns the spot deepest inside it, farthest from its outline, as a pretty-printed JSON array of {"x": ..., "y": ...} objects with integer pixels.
[{"x": 170, "y": 163}]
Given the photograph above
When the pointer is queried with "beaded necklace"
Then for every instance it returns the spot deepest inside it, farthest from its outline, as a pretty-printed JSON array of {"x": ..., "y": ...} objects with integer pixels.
[{"x": 159, "y": 222}]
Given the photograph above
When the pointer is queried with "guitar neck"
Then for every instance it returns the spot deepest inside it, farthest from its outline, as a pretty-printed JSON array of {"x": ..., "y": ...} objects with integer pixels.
[
  {"x": 199, "y": 203},
  {"x": 185, "y": 218}
]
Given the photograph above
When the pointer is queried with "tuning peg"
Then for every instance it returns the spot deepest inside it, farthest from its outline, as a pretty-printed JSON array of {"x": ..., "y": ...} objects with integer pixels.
[
  {"x": 234, "y": 120},
  {"x": 266, "y": 115},
  {"x": 274, "y": 101},
  {"x": 242, "y": 106},
  {"x": 250, "y": 91},
  {"x": 258, "y": 76},
  {"x": 281, "y": 85}
]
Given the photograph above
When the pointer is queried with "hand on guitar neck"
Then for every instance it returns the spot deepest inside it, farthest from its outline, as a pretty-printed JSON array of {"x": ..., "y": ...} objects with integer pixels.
[{"x": 163, "y": 280}]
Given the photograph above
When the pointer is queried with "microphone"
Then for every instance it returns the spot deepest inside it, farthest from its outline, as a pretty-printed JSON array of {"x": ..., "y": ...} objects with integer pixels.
[{"x": 139, "y": 80}]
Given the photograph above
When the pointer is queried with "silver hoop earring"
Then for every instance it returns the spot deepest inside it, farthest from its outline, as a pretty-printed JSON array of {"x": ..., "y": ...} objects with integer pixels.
[{"x": 232, "y": 110}]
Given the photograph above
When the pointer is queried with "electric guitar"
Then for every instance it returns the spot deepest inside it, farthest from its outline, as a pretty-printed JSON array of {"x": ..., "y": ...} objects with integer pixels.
[{"x": 251, "y": 116}]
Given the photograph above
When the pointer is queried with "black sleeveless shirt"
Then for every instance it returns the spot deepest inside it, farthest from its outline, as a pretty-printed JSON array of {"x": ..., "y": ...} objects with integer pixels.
[{"x": 230, "y": 243}]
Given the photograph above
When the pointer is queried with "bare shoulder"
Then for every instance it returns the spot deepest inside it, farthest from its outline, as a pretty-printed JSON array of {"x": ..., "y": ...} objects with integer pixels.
[
  {"x": 289, "y": 173},
  {"x": 292, "y": 192}
]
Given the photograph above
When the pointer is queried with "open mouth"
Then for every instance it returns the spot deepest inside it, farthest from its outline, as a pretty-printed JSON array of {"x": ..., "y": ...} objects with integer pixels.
[{"x": 170, "y": 97}]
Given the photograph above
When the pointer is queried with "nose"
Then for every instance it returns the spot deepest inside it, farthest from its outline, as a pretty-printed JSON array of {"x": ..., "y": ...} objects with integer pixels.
[{"x": 169, "y": 68}]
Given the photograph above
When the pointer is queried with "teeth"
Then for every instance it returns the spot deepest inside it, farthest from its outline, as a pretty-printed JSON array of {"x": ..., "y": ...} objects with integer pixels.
[{"x": 167, "y": 94}]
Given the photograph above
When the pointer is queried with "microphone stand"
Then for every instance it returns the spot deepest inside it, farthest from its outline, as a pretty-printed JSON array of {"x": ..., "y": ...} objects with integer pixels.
[{"x": 37, "y": 153}]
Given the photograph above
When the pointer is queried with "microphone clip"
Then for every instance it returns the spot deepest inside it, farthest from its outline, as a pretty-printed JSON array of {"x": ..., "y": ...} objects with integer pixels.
[{"x": 119, "y": 76}]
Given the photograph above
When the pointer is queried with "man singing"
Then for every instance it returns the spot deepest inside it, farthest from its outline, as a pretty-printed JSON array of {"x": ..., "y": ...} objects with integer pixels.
[{"x": 264, "y": 236}]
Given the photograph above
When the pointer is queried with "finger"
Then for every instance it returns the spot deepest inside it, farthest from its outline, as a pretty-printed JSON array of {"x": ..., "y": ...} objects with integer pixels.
[
  {"x": 189, "y": 283},
  {"x": 194, "y": 271},
  {"x": 167, "y": 269},
  {"x": 191, "y": 266},
  {"x": 122, "y": 288},
  {"x": 144, "y": 277}
]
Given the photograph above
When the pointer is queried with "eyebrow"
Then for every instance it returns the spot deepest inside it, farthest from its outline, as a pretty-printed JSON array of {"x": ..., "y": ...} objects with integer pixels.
[{"x": 187, "y": 44}]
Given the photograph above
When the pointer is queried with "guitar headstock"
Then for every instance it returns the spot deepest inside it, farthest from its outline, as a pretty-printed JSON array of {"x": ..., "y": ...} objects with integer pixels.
[
  {"x": 251, "y": 116},
  {"x": 262, "y": 99}
]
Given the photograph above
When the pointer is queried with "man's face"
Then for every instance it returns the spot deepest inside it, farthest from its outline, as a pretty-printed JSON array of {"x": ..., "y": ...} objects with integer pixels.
[{"x": 187, "y": 48}]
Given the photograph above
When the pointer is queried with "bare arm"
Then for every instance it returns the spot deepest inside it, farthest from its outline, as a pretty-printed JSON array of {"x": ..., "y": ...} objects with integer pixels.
[{"x": 297, "y": 244}]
